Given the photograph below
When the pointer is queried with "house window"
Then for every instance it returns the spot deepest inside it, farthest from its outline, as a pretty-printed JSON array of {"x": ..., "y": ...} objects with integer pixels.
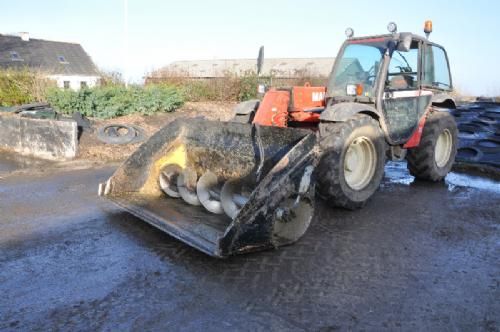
[
  {"x": 61, "y": 59},
  {"x": 14, "y": 56},
  {"x": 66, "y": 84},
  {"x": 83, "y": 85}
]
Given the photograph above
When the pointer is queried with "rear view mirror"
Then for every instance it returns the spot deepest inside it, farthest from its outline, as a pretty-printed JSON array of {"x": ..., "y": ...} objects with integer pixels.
[
  {"x": 404, "y": 43},
  {"x": 260, "y": 60}
]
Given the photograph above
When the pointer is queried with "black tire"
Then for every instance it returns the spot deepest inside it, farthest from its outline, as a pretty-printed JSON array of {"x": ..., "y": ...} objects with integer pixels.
[
  {"x": 421, "y": 160},
  {"x": 109, "y": 134},
  {"x": 335, "y": 140}
]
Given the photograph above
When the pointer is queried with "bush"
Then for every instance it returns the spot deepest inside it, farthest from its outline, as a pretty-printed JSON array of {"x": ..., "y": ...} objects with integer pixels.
[
  {"x": 248, "y": 85},
  {"x": 112, "y": 101},
  {"x": 22, "y": 86},
  {"x": 227, "y": 88},
  {"x": 193, "y": 90},
  {"x": 230, "y": 87},
  {"x": 111, "y": 78}
]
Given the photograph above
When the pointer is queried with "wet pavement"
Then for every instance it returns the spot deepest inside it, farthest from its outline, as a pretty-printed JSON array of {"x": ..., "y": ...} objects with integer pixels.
[
  {"x": 420, "y": 256},
  {"x": 11, "y": 162}
]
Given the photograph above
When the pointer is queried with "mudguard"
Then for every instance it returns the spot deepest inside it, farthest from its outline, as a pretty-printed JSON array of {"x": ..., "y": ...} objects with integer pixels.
[{"x": 344, "y": 111}]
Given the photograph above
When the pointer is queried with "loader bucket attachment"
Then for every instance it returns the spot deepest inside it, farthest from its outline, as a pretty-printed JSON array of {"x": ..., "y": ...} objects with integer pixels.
[{"x": 223, "y": 188}]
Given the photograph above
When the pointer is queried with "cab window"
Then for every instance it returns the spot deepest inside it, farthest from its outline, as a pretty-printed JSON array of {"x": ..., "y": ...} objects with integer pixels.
[
  {"x": 436, "y": 70},
  {"x": 403, "y": 69}
]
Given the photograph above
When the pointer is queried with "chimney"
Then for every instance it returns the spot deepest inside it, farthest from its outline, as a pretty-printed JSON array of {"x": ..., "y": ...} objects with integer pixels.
[{"x": 25, "y": 36}]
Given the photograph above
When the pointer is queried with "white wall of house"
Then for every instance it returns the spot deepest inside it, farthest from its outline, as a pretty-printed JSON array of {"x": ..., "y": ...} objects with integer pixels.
[{"x": 74, "y": 82}]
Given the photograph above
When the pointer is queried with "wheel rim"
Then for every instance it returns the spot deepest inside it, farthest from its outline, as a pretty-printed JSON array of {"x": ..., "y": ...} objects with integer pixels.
[
  {"x": 443, "y": 148},
  {"x": 359, "y": 163}
]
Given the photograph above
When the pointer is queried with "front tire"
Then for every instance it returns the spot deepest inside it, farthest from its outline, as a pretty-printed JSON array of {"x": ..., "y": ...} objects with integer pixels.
[
  {"x": 352, "y": 163},
  {"x": 435, "y": 155}
]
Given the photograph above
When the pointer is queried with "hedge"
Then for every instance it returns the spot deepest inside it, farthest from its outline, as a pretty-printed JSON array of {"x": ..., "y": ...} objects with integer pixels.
[
  {"x": 112, "y": 101},
  {"x": 22, "y": 86}
]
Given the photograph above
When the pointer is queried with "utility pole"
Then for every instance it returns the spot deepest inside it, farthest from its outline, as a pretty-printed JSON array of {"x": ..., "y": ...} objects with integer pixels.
[{"x": 125, "y": 43}]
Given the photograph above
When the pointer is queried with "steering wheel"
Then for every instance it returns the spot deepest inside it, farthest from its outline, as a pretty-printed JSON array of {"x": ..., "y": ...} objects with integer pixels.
[{"x": 404, "y": 69}]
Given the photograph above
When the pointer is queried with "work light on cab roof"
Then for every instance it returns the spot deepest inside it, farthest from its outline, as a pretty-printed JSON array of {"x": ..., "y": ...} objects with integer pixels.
[
  {"x": 392, "y": 27},
  {"x": 349, "y": 32}
]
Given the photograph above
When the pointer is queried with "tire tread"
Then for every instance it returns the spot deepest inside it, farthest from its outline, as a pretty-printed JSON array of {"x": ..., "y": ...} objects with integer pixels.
[
  {"x": 420, "y": 160},
  {"x": 332, "y": 139}
]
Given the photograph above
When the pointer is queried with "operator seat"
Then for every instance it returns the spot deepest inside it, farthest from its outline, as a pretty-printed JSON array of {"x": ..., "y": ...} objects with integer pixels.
[{"x": 402, "y": 82}]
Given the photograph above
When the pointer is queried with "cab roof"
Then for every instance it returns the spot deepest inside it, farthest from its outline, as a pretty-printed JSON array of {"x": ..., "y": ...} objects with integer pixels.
[{"x": 388, "y": 36}]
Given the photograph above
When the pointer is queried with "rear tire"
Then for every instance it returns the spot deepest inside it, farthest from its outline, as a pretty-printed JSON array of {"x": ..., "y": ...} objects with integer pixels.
[
  {"x": 352, "y": 162},
  {"x": 435, "y": 155}
]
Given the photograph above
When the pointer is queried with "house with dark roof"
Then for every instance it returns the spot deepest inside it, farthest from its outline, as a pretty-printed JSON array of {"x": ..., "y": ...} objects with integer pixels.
[{"x": 66, "y": 63}]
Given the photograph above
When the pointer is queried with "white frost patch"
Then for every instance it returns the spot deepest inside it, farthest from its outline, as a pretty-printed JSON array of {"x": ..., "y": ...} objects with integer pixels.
[{"x": 463, "y": 180}]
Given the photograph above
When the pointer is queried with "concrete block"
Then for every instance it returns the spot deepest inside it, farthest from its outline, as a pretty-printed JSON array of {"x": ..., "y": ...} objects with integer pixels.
[{"x": 47, "y": 139}]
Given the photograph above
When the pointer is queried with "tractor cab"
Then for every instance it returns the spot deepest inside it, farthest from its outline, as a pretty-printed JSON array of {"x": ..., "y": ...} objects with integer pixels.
[
  {"x": 396, "y": 77},
  {"x": 367, "y": 66}
]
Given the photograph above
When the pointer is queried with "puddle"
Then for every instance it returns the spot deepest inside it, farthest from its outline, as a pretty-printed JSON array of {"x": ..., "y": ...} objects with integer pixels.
[{"x": 396, "y": 172}]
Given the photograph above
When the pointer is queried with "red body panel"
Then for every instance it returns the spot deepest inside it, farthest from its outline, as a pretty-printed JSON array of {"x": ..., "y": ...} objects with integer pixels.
[
  {"x": 308, "y": 97},
  {"x": 276, "y": 109},
  {"x": 414, "y": 140},
  {"x": 273, "y": 109},
  {"x": 304, "y": 116},
  {"x": 368, "y": 40}
]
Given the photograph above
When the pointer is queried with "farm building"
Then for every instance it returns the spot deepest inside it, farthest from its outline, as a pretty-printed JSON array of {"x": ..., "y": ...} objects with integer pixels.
[
  {"x": 277, "y": 67},
  {"x": 66, "y": 63},
  {"x": 284, "y": 71}
]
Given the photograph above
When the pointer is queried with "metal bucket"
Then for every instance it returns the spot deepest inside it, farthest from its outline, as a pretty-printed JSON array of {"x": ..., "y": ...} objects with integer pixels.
[{"x": 223, "y": 188}]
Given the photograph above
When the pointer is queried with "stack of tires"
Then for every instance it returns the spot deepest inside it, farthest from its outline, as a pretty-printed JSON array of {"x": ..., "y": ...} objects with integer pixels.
[{"x": 479, "y": 133}]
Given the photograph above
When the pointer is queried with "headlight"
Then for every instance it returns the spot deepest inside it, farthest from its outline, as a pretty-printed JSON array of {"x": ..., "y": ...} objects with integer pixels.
[
  {"x": 354, "y": 89},
  {"x": 351, "y": 89}
]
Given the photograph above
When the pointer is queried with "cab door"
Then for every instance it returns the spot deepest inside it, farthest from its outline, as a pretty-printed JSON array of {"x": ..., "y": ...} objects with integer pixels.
[
  {"x": 436, "y": 75},
  {"x": 402, "y": 93}
]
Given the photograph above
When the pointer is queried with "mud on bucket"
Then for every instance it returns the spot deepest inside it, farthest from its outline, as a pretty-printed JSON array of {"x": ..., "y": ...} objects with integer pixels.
[{"x": 223, "y": 188}]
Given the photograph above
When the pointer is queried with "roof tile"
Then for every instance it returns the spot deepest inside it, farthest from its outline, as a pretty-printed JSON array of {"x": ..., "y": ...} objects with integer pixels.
[{"x": 44, "y": 55}]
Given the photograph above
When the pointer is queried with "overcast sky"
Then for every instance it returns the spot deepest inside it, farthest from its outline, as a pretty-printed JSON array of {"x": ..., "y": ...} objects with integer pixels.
[{"x": 160, "y": 32}]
